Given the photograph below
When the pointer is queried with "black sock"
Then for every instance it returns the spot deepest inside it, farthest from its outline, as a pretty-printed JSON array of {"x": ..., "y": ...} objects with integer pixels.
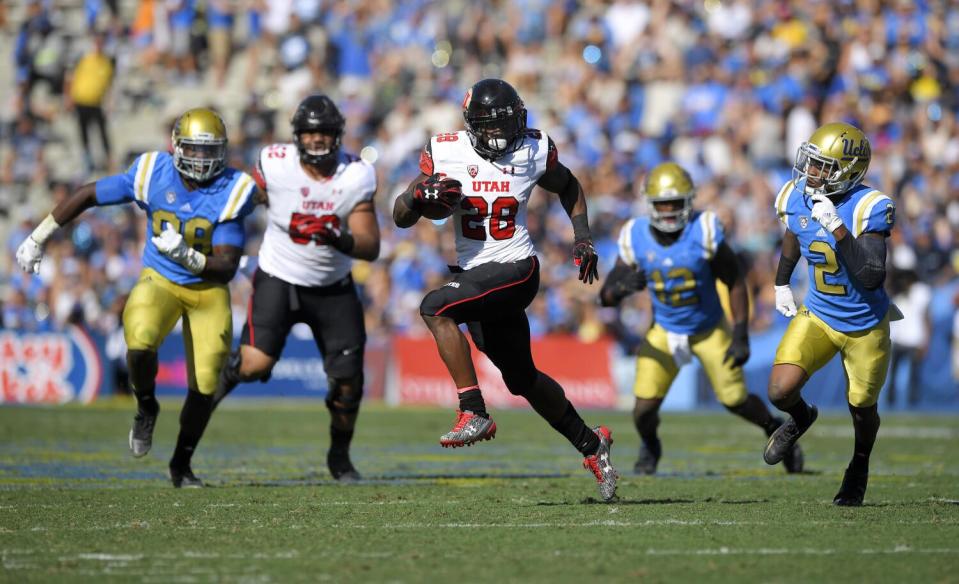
[
  {"x": 800, "y": 413},
  {"x": 576, "y": 431},
  {"x": 471, "y": 399},
  {"x": 147, "y": 405},
  {"x": 646, "y": 420},
  {"x": 653, "y": 445},
  {"x": 754, "y": 410},
  {"x": 143, "y": 367},
  {"x": 865, "y": 426},
  {"x": 776, "y": 422},
  {"x": 229, "y": 378},
  {"x": 340, "y": 439},
  {"x": 193, "y": 420}
]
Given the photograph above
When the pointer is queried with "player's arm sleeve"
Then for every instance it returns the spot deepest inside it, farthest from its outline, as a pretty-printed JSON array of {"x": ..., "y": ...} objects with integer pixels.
[
  {"x": 788, "y": 258},
  {"x": 865, "y": 253},
  {"x": 627, "y": 252},
  {"x": 132, "y": 185},
  {"x": 240, "y": 202},
  {"x": 875, "y": 213},
  {"x": 713, "y": 233},
  {"x": 865, "y": 258},
  {"x": 367, "y": 186},
  {"x": 259, "y": 178},
  {"x": 782, "y": 201}
]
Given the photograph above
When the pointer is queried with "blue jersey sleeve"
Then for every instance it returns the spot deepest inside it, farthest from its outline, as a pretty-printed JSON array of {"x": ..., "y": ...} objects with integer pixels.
[
  {"x": 874, "y": 212},
  {"x": 116, "y": 189},
  {"x": 712, "y": 233},
  {"x": 133, "y": 185},
  {"x": 230, "y": 233},
  {"x": 882, "y": 216},
  {"x": 627, "y": 249}
]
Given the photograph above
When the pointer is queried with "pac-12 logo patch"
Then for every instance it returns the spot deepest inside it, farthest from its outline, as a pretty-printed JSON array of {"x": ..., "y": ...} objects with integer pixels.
[
  {"x": 473, "y": 170},
  {"x": 803, "y": 221},
  {"x": 170, "y": 197},
  {"x": 305, "y": 191}
]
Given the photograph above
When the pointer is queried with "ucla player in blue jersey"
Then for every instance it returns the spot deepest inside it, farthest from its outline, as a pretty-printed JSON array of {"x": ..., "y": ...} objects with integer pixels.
[
  {"x": 195, "y": 207},
  {"x": 684, "y": 253},
  {"x": 840, "y": 226}
]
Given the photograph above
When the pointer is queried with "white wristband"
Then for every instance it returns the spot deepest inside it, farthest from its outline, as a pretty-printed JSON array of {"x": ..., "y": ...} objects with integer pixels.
[{"x": 46, "y": 228}]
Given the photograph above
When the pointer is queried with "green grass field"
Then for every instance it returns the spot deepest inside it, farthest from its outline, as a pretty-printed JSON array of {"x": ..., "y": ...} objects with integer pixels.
[{"x": 75, "y": 507}]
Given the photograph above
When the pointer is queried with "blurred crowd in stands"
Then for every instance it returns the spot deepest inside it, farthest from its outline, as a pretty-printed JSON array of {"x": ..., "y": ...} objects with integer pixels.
[{"x": 727, "y": 88}]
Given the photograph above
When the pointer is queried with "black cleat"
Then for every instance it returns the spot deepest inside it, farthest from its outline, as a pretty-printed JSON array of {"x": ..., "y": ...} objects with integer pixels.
[
  {"x": 648, "y": 459},
  {"x": 784, "y": 438},
  {"x": 141, "y": 434},
  {"x": 183, "y": 478},
  {"x": 342, "y": 469},
  {"x": 853, "y": 489}
]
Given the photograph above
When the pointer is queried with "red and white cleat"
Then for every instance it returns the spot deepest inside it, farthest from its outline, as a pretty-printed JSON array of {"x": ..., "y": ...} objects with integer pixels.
[
  {"x": 600, "y": 465},
  {"x": 469, "y": 428}
]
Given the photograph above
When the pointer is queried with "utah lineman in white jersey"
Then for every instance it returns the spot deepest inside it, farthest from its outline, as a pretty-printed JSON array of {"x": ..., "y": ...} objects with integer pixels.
[
  {"x": 321, "y": 216},
  {"x": 485, "y": 175}
]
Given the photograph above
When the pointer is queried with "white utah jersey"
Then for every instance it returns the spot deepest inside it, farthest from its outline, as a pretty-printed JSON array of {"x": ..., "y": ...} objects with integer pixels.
[
  {"x": 296, "y": 199},
  {"x": 490, "y": 222}
]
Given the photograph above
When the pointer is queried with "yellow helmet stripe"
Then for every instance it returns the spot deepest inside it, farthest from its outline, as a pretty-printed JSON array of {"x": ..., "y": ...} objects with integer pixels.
[
  {"x": 242, "y": 189},
  {"x": 141, "y": 184},
  {"x": 860, "y": 216},
  {"x": 626, "y": 251},
  {"x": 781, "y": 199}
]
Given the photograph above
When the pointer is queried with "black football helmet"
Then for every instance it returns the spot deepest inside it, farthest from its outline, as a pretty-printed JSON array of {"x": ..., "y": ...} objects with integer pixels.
[
  {"x": 495, "y": 118},
  {"x": 317, "y": 113}
]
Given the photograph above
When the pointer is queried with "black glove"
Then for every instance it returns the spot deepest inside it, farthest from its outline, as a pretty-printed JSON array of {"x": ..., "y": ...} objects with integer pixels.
[
  {"x": 584, "y": 256},
  {"x": 738, "y": 351},
  {"x": 438, "y": 189},
  {"x": 624, "y": 280}
]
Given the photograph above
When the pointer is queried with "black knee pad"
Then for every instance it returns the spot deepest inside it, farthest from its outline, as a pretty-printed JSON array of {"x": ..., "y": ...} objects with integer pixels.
[{"x": 342, "y": 402}]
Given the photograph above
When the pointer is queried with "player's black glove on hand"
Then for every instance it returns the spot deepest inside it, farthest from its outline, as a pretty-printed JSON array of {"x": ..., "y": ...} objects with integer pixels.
[
  {"x": 624, "y": 280},
  {"x": 738, "y": 351},
  {"x": 584, "y": 256},
  {"x": 438, "y": 189}
]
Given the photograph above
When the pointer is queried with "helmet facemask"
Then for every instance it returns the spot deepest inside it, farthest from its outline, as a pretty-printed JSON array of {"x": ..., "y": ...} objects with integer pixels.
[
  {"x": 317, "y": 113},
  {"x": 497, "y": 131},
  {"x": 673, "y": 219},
  {"x": 199, "y": 157},
  {"x": 318, "y": 156},
  {"x": 824, "y": 175}
]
